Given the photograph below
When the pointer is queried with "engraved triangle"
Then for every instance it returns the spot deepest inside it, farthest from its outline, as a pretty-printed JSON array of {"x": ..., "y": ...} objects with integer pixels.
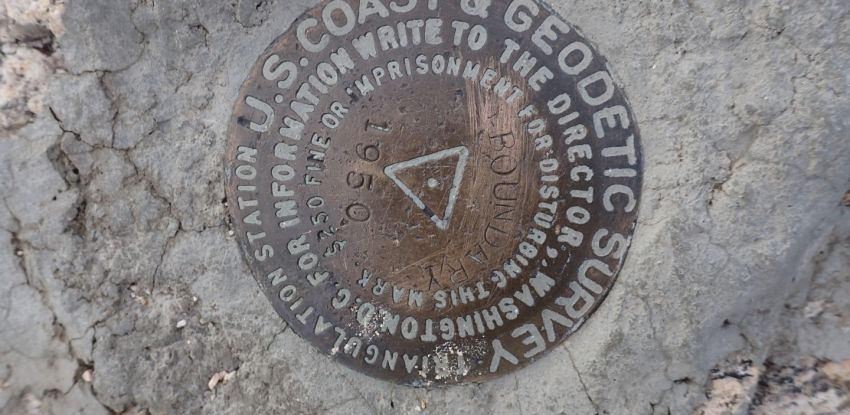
[{"x": 448, "y": 192}]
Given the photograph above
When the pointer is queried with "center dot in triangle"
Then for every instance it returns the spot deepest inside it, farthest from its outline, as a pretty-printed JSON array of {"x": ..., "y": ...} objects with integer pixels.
[{"x": 437, "y": 195}]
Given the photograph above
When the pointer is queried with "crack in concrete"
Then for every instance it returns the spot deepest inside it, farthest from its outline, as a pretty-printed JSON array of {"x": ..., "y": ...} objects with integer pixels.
[{"x": 581, "y": 381}]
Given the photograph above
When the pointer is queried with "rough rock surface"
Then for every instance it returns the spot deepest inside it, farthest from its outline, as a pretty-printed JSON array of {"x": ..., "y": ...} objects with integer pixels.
[{"x": 122, "y": 291}]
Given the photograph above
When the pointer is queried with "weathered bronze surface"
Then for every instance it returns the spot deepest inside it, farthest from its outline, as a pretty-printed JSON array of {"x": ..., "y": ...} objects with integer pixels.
[{"x": 433, "y": 192}]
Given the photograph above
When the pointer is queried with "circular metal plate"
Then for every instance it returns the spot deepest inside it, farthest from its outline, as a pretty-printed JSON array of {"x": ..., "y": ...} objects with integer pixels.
[{"x": 433, "y": 192}]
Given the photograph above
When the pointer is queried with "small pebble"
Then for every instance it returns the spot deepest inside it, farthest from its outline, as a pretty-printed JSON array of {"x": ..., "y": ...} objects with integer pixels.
[
  {"x": 813, "y": 309},
  {"x": 220, "y": 377},
  {"x": 181, "y": 324}
]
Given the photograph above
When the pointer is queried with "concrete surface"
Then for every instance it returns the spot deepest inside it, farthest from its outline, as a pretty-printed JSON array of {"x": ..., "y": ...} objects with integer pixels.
[{"x": 122, "y": 290}]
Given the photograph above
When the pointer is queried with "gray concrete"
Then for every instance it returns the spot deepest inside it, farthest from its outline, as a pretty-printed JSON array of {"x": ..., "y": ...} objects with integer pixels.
[{"x": 113, "y": 228}]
